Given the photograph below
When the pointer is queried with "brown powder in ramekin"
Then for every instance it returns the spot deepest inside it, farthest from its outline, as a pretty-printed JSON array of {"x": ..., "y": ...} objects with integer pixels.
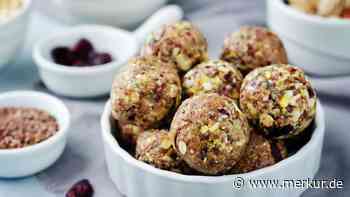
[{"x": 21, "y": 127}]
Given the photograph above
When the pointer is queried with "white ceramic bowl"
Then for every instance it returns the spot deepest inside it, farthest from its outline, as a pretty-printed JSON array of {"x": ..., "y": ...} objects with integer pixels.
[
  {"x": 118, "y": 13},
  {"x": 317, "y": 44},
  {"x": 83, "y": 81},
  {"x": 13, "y": 32},
  {"x": 33, "y": 159},
  {"x": 134, "y": 178}
]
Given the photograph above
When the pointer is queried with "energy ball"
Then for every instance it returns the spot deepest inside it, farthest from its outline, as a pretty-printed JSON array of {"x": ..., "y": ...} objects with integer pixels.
[
  {"x": 210, "y": 133},
  {"x": 215, "y": 76},
  {"x": 180, "y": 43},
  {"x": 155, "y": 148},
  {"x": 143, "y": 95},
  {"x": 253, "y": 47},
  {"x": 279, "y": 100},
  {"x": 260, "y": 153}
]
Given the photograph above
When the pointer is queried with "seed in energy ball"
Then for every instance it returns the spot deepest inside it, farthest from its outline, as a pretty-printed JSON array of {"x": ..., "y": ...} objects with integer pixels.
[
  {"x": 180, "y": 43},
  {"x": 215, "y": 76},
  {"x": 155, "y": 147},
  {"x": 210, "y": 133},
  {"x": 253, "y": 47},
  {"x": 279, "y": 100},
  {"x": 260, "y": 153},
  {"x": 144, "y": 95}
]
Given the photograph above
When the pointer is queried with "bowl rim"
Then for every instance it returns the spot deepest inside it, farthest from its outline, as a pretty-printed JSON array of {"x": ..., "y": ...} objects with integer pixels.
[
  {"x": 26, "y": 6},
  {"x": 108, "y": 140},
  {"x": 50, "y": 65},
  {"x": 315, "y": 19},
  {"x": 61, "y": 133}
]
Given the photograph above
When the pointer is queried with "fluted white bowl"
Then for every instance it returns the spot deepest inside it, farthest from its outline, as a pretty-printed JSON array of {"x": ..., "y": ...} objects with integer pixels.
[{"x": 134, "y": 178}]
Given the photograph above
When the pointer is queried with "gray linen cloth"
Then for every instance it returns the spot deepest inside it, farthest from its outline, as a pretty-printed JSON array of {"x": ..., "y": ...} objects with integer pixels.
[{"x": 84, "y": 156}]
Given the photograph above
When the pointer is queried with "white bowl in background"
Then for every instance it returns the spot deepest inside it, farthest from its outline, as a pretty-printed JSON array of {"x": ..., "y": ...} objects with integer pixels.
[
  {"x": 95, "y": 80},
  {"x": 13, "y": 32},
  {"x": 134, "y": 178},
  {"x": 35, "y": 158},
  {"x": 317, "y": 44},
  {"x": 83, "y": 81},
  {"x": 118, "y": 13}
]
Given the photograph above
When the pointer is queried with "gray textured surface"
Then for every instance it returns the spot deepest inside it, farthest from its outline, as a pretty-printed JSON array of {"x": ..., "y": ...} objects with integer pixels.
[{"x": 84, "y": 158}]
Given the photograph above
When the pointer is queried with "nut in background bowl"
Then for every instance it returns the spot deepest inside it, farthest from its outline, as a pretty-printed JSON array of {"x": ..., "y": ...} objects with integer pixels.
[
  {"x": 13, "y": 32},
  {"x": 134, "y": 178},
  {"x": 35, "y": 158},
  {"x": 318, "y": 44}
]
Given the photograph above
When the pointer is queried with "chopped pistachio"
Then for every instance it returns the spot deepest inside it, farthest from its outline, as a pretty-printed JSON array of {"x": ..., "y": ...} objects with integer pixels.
[{"x": 182, "y": 147}]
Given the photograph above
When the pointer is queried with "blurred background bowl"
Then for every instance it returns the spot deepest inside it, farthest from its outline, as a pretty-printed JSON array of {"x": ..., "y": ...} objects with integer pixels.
[
  {"x": 32, "y": 159},
  {"x": 118, "y": 13},
  {"x": 13, "y": 33},
  {"x": 319, "y": 45}
]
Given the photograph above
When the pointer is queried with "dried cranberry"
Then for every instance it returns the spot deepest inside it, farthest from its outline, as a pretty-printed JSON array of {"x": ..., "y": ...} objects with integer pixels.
[
  {"x": 82, "y": 49},
  {"x": 62, "y": 55},
  {"x": 82, "y": 188},
  {"x": 79, "y": 63},
  {"x": 101, "y": 58},
  {"x": 82, "y": 54}
]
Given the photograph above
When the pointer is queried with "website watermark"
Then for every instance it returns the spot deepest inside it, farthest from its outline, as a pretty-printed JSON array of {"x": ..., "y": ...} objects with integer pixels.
[{"x": 240, "y": 183}]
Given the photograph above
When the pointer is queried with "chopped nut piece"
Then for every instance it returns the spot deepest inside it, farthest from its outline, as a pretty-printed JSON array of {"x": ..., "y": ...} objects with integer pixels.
[
  {"x": 182, "y": 147},
  {"x": 331, "y": 7}
]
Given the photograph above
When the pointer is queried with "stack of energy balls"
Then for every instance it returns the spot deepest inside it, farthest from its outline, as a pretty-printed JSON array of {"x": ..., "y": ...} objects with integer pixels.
[{"x": 180, "y": 111}]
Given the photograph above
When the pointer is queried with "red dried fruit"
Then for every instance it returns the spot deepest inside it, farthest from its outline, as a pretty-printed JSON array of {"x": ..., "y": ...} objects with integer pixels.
[
  {"x": 82, "y": 49},
  {"x": 62, "y": 55},
  {"x": 82, "y": 188},
  {"x": 82, "y": 54},
  {"x": 101, "y": 58}
]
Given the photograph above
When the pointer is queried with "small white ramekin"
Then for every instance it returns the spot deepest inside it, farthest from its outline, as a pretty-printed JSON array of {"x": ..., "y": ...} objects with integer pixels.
[
  {"x": 13, "y": 33},
  {"x": 317, "y": 44},
  {"x": 33, "y": 159},
  {"x": 134, "y": 178},
  {"x": 84, "y": 81}
]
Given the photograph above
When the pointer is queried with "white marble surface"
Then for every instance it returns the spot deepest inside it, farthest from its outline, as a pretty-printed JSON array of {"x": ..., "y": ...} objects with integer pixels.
[{"x": 83, "y": 157}]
